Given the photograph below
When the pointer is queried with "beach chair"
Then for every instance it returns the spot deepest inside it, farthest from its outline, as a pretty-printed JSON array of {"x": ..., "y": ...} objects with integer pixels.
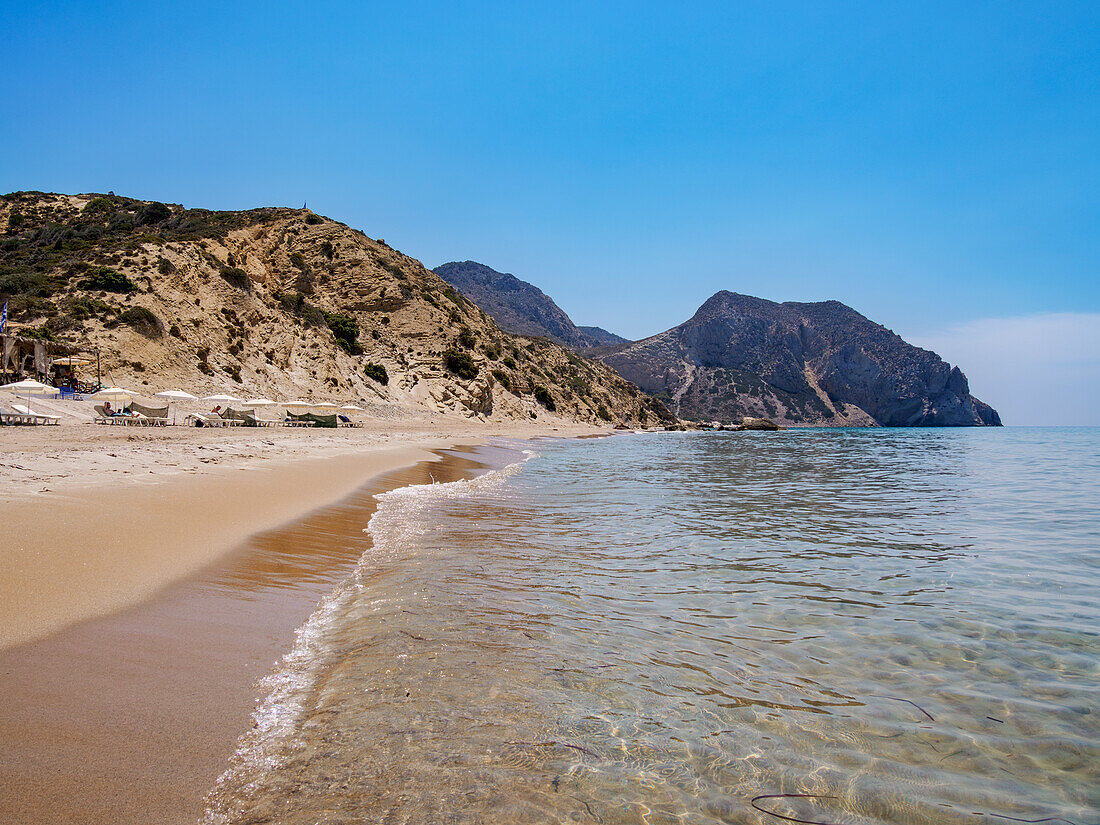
[
  {"x": 246, "y": 418},
  {"x": 344, "y": 421},
  {"x": 327, "y": 421},
  {"x": 150, "y": 416},
  {"x": 13, "y": 418},
  {"x": 212, "y": 420},
  {"x": 293, "y": 420},
  {"x": 39, "y": 418}
]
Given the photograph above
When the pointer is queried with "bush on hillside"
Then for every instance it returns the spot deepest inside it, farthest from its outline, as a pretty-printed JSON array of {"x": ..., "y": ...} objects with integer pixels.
[
  {"x": 142, "y": 320},
  {"x": 107, "y": 279},
  {"x": 346, "y": 330},
  {"x": 543, "y": 396},
  {"x": 461, "y": 364},
  {"x": 376, "y": 372},
  {"x": 235, "y": 276}
]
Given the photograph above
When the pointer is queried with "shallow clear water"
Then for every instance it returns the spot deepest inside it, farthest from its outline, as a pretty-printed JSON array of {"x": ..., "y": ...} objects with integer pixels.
[{"x": 901, "y": 626}]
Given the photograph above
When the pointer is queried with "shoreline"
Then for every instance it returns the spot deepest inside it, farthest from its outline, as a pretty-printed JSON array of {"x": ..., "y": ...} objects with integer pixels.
[{"x": 131, "y": 710}]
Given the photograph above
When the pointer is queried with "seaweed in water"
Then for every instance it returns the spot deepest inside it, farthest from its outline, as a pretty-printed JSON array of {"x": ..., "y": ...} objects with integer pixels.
[
  {"x": 762, "y": 810},
  {"x": 899, "y": 699},
  {"x": 756, "y": 799}
]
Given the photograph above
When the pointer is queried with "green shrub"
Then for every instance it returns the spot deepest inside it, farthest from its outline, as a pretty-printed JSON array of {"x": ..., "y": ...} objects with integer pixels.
[
  {"x": 298, "y": 260},
  {"x": 503, "y": 379},
  {"x": 346, "y": 330},
  {"x": 235, "y": 276},
  {"x": 376, "y": 372},
  {"x": 509, "y": 362},
  {"x": 25, "y": 283},
  {"x": 87, "y": 307},
  {"x": 466, "y": 338},
  {"x": 543, "y": 396},
  {"x": 165, "y": 266},
  {"x": 492, "y": 350},
  {"x": 107, "y": 279},
  {"x": 602, "y": 412},
  {"x": 313, "y": 220},
  {"x": 461, "y": 364},
  {"x": 151, "y": 213},
  {"x": 142, "y": 320},
  {"x": 15, "y": 219}
]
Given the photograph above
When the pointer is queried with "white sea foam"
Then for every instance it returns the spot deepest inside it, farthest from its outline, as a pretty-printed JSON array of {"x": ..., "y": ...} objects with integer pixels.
[{"x": 273, "y": 736}]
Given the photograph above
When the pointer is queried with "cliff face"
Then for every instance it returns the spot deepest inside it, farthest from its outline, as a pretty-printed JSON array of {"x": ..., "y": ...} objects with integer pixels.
[
  {"x": 797, "y": 363},
  {"x": 520, "y": 307},
  {"x": 283, "y": 303}
]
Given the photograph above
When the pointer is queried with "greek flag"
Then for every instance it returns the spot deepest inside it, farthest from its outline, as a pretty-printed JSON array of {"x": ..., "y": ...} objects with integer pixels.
[{"x": 4, "y": 317}]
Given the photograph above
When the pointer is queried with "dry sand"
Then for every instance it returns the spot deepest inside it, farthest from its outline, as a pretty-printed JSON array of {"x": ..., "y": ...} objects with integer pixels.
[{"x": 138, "y": 614}]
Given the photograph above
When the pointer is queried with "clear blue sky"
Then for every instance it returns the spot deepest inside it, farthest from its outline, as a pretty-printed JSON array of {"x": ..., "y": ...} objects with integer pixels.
[{"x": 931, "y": 164}]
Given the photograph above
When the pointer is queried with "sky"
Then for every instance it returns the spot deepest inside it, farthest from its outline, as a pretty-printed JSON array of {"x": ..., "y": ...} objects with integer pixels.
[{"x": 934, "y": 165}]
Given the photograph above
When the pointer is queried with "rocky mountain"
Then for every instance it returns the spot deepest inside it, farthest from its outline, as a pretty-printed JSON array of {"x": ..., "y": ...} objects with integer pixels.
[
  {"x": 796, "y": 363},
  {"x": 521, "y": 307},
  {"x": 283, "y": 303}
]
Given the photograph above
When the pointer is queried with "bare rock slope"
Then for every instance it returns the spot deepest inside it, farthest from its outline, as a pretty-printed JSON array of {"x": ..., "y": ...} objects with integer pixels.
[
  {"x": 283, "y": 303},
  {"x": 521, "y": 307},
  {"x": 796, "y": 363}
]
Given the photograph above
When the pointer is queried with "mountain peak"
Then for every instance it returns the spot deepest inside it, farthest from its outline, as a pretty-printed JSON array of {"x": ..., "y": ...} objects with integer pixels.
[
  {"x": 797, "y": 363},
  {"x": 519, "y": 306}
]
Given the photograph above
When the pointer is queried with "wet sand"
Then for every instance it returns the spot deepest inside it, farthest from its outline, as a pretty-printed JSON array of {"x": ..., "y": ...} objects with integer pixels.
[{"x": 131, "y": 717}]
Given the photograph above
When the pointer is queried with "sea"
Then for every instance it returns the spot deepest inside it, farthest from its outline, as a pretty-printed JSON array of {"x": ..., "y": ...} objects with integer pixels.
[{"x": 858, "y": 626}]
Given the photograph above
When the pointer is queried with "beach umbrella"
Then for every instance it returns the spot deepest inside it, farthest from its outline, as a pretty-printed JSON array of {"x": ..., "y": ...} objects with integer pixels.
[
  {"x": 29, "y": 387},
  {"x": 117, "y": 394},
  {"x": 351, "y": 408},
  {"x": 295, "y": 404},
  {"x": 222, "y": 398},
  {"x": 76, "y": 362},
  {"x": 176, "y": 395},
  {"x": 108, "y": 393},
  {"x": 325, "y": 405}
]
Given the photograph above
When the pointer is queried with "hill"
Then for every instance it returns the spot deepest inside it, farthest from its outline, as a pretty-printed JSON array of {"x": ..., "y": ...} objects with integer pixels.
[
  {"x": 283, "y": 303},
  {"x": 797, "y": 363},
  {"x": 521, "y": 307}
]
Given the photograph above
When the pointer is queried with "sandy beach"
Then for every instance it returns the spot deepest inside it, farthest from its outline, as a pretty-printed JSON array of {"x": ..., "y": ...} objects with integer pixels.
[{"x": 151, "y": 577}]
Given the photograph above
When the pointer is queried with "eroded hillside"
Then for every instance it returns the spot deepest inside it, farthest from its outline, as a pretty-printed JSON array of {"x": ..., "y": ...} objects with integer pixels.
[{"x": 282, "y": 303}]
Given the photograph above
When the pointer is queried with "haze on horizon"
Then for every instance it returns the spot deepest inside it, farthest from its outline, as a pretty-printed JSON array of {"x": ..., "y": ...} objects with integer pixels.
[{"x": 930, "y": 164}]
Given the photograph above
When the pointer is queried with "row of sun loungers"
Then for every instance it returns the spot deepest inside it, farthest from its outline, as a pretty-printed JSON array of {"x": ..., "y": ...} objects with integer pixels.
[{"x": 136, "y": 416}]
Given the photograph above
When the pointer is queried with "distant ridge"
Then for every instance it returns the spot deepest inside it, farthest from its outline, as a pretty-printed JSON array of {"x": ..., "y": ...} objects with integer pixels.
[
  {"x": 796, "y": 363},
  {"x": 520, "y": 307}
]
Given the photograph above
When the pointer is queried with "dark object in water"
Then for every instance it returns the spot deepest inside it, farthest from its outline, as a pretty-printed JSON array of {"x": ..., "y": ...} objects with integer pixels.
[
  {"x": 756, "y": 799},
  {"x": 908, "y": 702},
  {"x": 1048, "y": 819}
]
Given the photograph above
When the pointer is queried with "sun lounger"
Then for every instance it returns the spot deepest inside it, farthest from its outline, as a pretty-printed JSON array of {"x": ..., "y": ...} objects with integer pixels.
[
  {"x": 153, "y": 416},
  {"x": 212, "y": 420},
  {"x": 293, "y": 420},
  {"x": 126, "y": 419},
  {"x": 12, "y": 418},
  {"x": 39, "y": 417},
  {"x": 247, "y": 418},
  {"x": 328, "y": 421},
  {"x": 344, "y": 421}
]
